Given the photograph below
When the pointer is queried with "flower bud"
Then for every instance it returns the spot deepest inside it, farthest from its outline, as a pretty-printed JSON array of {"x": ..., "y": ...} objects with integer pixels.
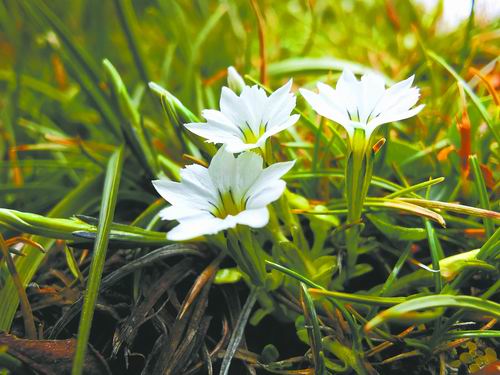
[{"x": 234, "y": 80}]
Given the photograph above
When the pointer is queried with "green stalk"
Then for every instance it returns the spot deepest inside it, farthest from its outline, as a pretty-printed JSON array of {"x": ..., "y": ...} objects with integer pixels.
[
  {"x": 108, "y": 205},
  {"x": 358, "y": 172},
  {"x": 254, "y": 253},
  {"x": 238, "y": 254}
]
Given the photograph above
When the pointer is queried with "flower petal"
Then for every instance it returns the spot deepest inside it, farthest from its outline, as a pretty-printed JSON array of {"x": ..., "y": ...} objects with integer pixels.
[
  {"x": 217, "y": 129},
  {"x": 349, "y": 88},
  {"x": 275, "y": 130},
  {"x": 326, "y": 104},
  {"x": 373, "y": 89},
  {"x": 199, "y": 176},
  {"x": 231, "y": 105},
  {"x": 178, "y": 213},
  {"x": 392, "y": 96},
  {"x": 253, "y": 104},
  {"x": 248, "y": 169},
  {"x": 181, "y": 194},
  {"x": 198, "y": 226},
  {"x": 279, "y": 106},
  {"x": 267, "y": 194},
  {"x": 372, "y": 125},
  {"x": 222, "y": 170},
  {"x": 255, "y": 218},
  {"x": 268, "y": 187}
]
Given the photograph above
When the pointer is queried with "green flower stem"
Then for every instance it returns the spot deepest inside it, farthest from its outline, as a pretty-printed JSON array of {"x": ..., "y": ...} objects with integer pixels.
[
  {"x": 274, "y": 226},
  {"x": 358, "y": 176},
  {"x": 237, "y": 253},
  {"x": 253, "y": 251},
  {"x": 248, "y": 254},
  {"x": 291, "y": 221}
]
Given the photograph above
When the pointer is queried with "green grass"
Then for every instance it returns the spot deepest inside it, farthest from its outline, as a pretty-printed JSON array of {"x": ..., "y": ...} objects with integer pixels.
[{"x": 93, "y": 98}]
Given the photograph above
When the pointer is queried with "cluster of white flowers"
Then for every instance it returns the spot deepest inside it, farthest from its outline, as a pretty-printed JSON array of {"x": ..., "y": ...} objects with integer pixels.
[{"x": 237, "y": 190}]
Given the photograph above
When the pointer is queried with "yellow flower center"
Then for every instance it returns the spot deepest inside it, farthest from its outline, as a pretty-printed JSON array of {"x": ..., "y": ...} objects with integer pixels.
[
  {"x": 249, "y": 135},
  {"x": 228, "y": 205}
]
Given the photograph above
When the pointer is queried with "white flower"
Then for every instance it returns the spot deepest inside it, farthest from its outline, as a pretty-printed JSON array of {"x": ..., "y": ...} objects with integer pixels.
[
  {"x": 245, "y": 122},
  {"x": 364, "y": 104},
  {"x": 230, "y": 191}
]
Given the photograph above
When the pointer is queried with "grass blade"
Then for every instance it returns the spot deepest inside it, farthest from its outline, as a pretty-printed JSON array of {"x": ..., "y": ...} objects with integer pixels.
[
  {"x": 436, "y": 254},
  {"x": 128, "y": 22},
  {"x": 313, "y": 331},
  {"x": 430, "y": 302},
  {"x": 452, "y": 335},
  {"x": 482, "y": 193},
  {"x": 239, "y": 329},
  {"x": 29, "y": 323},
  {"x": 108, "y": 204},
  {"x": 131, "y": 121},
  {"x": 411, "y": 189},
  {"x": 359, "y": 298}
]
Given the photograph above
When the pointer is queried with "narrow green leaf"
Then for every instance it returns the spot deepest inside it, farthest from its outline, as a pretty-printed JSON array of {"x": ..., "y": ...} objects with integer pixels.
[
  {"x": 238, "y": 331},
  {"x": 452, "y": 335},
  {"x": 431, "y": 302},
  {"x": 411, "y": 189},
  {"x": 482, "y": 193},
  {"x": 491, "y": 248},
  {"x": 72, "y": 263},
  {"x": 131, "y": 120},
  {"x": 109, "y": 198},
  {"x": 313, "y": 331},
  {"x": 359, "y": 298},
  {"x": 436, "y": 254},
  {"x": 129, "y": 24}
]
